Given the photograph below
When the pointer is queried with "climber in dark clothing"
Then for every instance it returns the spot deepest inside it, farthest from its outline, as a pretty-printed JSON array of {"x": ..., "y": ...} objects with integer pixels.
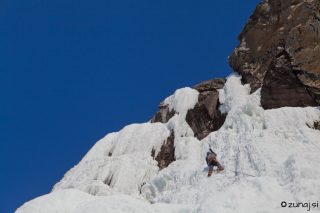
[{"x": 212, "y": 161}]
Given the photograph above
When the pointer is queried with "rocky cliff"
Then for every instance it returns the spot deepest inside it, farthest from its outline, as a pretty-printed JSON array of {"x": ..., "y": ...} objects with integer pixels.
[
  {"x": 279, "y": 51},
  {"x": 206, "y": 117}
]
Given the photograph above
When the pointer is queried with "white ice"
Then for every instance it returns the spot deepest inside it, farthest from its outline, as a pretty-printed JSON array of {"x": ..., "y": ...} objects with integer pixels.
[
  {"x": 76, "y": 201},
  {"x": 274, "y": 153}
]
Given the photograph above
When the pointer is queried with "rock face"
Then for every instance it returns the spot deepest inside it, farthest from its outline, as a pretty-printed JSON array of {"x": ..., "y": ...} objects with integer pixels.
[
  {"x": 282, "y": 88},
  {"x": 317, "y": 125},
  {"x": 163, "y": 115},
  {"x": 206, "y": 117},
  {"x": 277, "y": 26},
  {"x": 212, "y": 85},
  {"x": 166, "y": 155}
]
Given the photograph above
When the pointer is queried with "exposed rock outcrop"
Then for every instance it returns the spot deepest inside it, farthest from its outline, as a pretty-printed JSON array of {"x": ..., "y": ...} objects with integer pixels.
[
  {"x": 211, "y": 85},
  {"x": 317, "y": 125},
  {"x": 166, "y": 155},
  {"x": 206, "y": 117},
  {"x": 282, "y": 88},
  {"x": 292, "y": 26},
  {"x": 163, "y": 115}
]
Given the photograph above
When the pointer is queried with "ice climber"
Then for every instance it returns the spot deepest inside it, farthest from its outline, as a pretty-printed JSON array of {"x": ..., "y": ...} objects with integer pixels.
[{"x": 212, "y": 161}]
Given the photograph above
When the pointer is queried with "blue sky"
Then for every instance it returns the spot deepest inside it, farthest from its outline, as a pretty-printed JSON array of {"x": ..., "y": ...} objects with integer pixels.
[{"x": 73, "y": 71}]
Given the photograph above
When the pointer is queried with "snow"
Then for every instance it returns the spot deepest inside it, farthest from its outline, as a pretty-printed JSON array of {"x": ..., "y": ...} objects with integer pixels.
[
  {"x": 76, "y": 201},
  {"x": 270, "y": 156},
  {"x": 182, "y": 100},
  {"x": 233, "y": 93},
  {"x": 120, "y": 162}
]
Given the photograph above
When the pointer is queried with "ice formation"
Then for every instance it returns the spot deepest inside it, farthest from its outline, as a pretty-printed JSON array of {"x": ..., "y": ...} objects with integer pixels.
[{"x": 270, "y": 157}]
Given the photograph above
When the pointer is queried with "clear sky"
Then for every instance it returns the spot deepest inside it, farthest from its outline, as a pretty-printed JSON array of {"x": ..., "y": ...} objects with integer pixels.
[{"x": 72, "y": 71}]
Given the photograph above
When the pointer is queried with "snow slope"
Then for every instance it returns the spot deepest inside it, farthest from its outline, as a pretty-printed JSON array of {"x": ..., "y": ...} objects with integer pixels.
[{"x": 273, "y": 152}]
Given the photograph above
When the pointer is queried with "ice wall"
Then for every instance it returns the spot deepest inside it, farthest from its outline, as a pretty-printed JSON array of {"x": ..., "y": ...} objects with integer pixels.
[
  {"x": 275, "y": 146},
  {"x": 270, "y": 156},
  {"x": 121, "y": 162}
]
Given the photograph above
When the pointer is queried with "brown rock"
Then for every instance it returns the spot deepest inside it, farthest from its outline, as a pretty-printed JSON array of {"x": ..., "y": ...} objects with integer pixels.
[
  {"x": 282, "y": 88},
  {"x": 163, "y": 115},
  {"x": 205, "y": 117},
  {"x": 312, "y": 81},
  {"x": 317, "y": 125},
  {"x": 214, "y": 84},
  {"x": 166, "y": 155},
  {"x": 277, "y": 25}
]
